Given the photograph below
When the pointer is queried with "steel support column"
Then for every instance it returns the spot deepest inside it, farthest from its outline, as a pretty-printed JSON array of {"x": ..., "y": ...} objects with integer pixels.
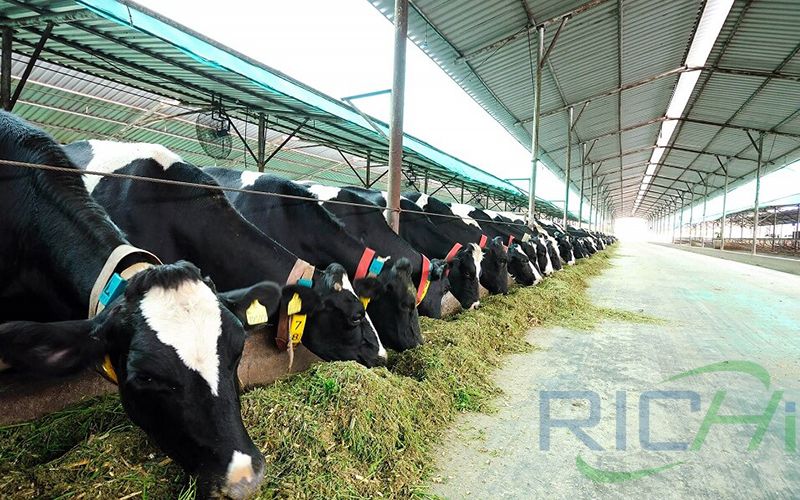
[
  {"x": 703, "y": 222},
  {"x": 797, "y": 228},
  {"x": 568, "y": 166},
  {"x": 583, "y": 169},
  {"x": 591, "y": 200},
  {"x": 396, "y": 119},
  {"x": 774, "y": 226},
  {"x": 262, "y": 142},
  {"x": 537, "y": 103},
  {"x": 724, "y": 208},
  {"x": 369, "y": 172},
  {"x": 758, "y": 189},
  {"x": 680, "y": 226},
  {"x": 691, "y": 216},
  {"x": 5, "y": 69}
]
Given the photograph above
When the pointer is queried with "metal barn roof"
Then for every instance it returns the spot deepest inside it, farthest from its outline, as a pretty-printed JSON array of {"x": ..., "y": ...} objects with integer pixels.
[
  {"x": 125, "y": 47},
  {"x": 624, "y": 58}
]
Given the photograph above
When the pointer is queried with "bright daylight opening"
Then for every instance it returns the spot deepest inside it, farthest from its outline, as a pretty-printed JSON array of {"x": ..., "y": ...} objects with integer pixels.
[{"x": 631, "y": 229}]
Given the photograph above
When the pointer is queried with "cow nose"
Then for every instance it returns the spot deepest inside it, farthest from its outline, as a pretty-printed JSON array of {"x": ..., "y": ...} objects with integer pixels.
[
  {"x": 475, "y": 305},
  {"x": 241, "y": 480}
]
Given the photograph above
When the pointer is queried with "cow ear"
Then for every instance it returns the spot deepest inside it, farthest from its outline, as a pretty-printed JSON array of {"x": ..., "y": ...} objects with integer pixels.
[
  {"x": 52, "y": 349},
  {"x": 253, "y": 305},
  {"x": 367, "y": 287},
  {"x": 310, "y": 300},
  {"x": 438, "y": 269}
]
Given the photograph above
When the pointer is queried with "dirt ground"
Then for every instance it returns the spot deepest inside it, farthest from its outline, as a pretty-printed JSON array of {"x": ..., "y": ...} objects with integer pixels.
[{"x": 740, "y": 322}]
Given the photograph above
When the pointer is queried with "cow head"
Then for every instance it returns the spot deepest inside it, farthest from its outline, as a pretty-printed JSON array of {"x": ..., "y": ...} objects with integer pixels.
[
  {"x": 393, "y": 309},
  {"x": 494, "y": 267},
  {"x": 519, "y": 266},
  {"x": 565, "y": 249},
  {"x": 552, "y": 250},
  {"x": 465, "y": 270},
  {"x": 339, "y": 328},
  {"x": 578, "y": 248},
  {"x": 542, "y": 257},
  {"x": 174, "y": 345}
]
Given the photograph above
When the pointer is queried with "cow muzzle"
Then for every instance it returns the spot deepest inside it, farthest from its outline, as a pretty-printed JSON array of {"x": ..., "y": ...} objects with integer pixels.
[{"x": 242, "y": 478}]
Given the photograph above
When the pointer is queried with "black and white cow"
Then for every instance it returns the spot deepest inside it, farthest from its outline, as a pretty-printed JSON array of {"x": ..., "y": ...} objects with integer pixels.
[
  {"x": 550, "y": 260},
  {"x": 314, "y": 234},
  {"x": 365, "y": 222},
  {"x": 519, "y": 262},
  {"x": 463, "y": 261},
  {"x": 460, "y": 228},
  {"x": 169, "y": 339},
  {"x": 200, "y": 225}
]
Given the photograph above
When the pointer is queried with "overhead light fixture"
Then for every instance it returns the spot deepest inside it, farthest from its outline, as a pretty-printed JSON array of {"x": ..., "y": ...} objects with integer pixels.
[{"x": 713, "y": 18}]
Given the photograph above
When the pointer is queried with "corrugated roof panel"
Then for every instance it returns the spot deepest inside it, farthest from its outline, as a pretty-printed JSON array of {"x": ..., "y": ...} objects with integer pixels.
[
  {"x": 767, "y": 34},
  {"x": 656, "y": 36},
  {"x": 778, "y": 100},
  {"x": 475, "y": 23},
  {"x": 722, "y": 96}
]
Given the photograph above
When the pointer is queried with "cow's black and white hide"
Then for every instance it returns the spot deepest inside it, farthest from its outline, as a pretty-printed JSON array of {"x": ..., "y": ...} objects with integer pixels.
[{"x": 197, "y": 224}]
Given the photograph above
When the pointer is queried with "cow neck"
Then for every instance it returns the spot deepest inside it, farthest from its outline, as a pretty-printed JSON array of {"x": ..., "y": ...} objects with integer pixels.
[
  {"x": 239, "y": 253},
  {"x": 79, "y": 233},
  {"x": 426, "y": 237}
]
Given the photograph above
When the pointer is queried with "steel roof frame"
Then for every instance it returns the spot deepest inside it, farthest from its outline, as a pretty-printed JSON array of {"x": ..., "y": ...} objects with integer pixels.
[{"x": 710, "y": 173}]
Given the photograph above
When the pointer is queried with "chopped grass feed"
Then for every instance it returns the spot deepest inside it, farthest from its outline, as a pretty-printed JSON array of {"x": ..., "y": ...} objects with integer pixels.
[{"x": 336, "y": 430}]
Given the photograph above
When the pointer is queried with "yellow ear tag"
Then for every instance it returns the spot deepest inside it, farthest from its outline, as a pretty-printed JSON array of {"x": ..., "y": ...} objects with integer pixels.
[
  {"x": 364, "y": 301},
  {"x": 297, "y": 324},
  {"x": 256, "y": 313},
  {"x": 424, "y": 291},
  {"x": 108, "y": 370},
  {"x": 295, "y": 304}
]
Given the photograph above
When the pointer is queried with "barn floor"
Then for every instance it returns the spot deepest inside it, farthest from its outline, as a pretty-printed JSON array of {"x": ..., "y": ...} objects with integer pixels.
[{"x": 714, "y": 311}]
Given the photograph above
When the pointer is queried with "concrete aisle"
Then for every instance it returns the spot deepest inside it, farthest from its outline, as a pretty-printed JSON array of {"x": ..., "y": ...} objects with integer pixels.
[{"x": 714, "y": 311}]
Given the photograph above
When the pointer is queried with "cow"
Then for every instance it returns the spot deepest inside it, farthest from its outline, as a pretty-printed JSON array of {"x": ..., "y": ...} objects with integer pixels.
[
  {"x": 549, "y": 253},
  {"x": 461, "y": 229},
  {"x": 314, "y": 234},
  {"x": 519, "y": 262},
  {"x": 200, "y": 225},
  {"x": 365, "y": 222},
  {"x": 463, "y": 261},
  {"x": 162, "y": 332}
]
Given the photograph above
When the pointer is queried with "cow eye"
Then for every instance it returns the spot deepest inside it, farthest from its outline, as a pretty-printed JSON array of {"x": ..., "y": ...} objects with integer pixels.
[{"x": 146, "y": 381}]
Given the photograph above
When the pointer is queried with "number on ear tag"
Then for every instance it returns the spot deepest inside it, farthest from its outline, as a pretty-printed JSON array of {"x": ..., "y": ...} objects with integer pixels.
[
  {"x": 295, "y": 304},
  {"x": 256, "y": 313},
  {"x": 297, "y": 324}
]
